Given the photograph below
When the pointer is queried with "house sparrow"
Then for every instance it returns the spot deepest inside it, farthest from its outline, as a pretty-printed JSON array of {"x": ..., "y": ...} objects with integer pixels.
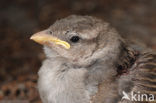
[{"x": 89, "y": 62}]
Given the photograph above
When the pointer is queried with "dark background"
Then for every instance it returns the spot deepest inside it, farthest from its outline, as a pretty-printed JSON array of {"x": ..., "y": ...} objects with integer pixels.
[{"x": 21, "y": 58}]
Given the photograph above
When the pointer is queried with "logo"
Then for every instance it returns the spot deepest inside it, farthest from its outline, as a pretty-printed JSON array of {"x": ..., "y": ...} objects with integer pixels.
[{"x": 138, "y": 96}]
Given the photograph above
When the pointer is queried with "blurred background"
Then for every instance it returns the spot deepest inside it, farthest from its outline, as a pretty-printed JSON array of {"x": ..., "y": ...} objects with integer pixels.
[{"x": 20, "y": 58}]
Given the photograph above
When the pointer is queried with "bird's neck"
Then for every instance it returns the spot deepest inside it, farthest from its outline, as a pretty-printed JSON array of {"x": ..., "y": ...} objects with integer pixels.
[{"x": 106, "y": 68}]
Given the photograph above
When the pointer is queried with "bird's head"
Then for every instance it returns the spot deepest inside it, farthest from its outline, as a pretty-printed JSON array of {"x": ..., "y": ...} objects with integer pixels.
[{"x": 79, "y": 39}]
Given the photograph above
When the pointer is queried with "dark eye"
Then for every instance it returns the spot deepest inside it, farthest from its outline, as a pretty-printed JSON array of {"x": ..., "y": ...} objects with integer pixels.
[
  {"x": 50, "y": 32},
  {"x": 75, "y": 39}
]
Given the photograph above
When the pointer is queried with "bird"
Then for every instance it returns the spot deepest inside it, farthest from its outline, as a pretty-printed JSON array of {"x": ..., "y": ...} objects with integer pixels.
[{"x": 88, "y": 61}]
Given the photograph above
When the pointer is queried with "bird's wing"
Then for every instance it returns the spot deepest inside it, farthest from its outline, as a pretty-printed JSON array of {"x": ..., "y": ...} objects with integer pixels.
[
  {"x": 145, "y": 75},
  {"x": 141, "y": 79}
]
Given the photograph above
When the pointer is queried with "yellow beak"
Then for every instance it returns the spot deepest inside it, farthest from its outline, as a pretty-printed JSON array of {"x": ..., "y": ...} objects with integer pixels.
[{"x": 43, "y": 38}]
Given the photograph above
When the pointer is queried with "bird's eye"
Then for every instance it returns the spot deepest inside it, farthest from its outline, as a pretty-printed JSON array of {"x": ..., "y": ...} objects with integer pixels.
[
  {"x": 50, "y": 32},
  {"x": 75, "y": 39}
]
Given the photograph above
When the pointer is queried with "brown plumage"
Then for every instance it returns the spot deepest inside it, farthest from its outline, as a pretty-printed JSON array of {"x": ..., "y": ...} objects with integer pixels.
[
  {"x": 89, "y": 62},
  {"x": 139, "y": 77}
]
